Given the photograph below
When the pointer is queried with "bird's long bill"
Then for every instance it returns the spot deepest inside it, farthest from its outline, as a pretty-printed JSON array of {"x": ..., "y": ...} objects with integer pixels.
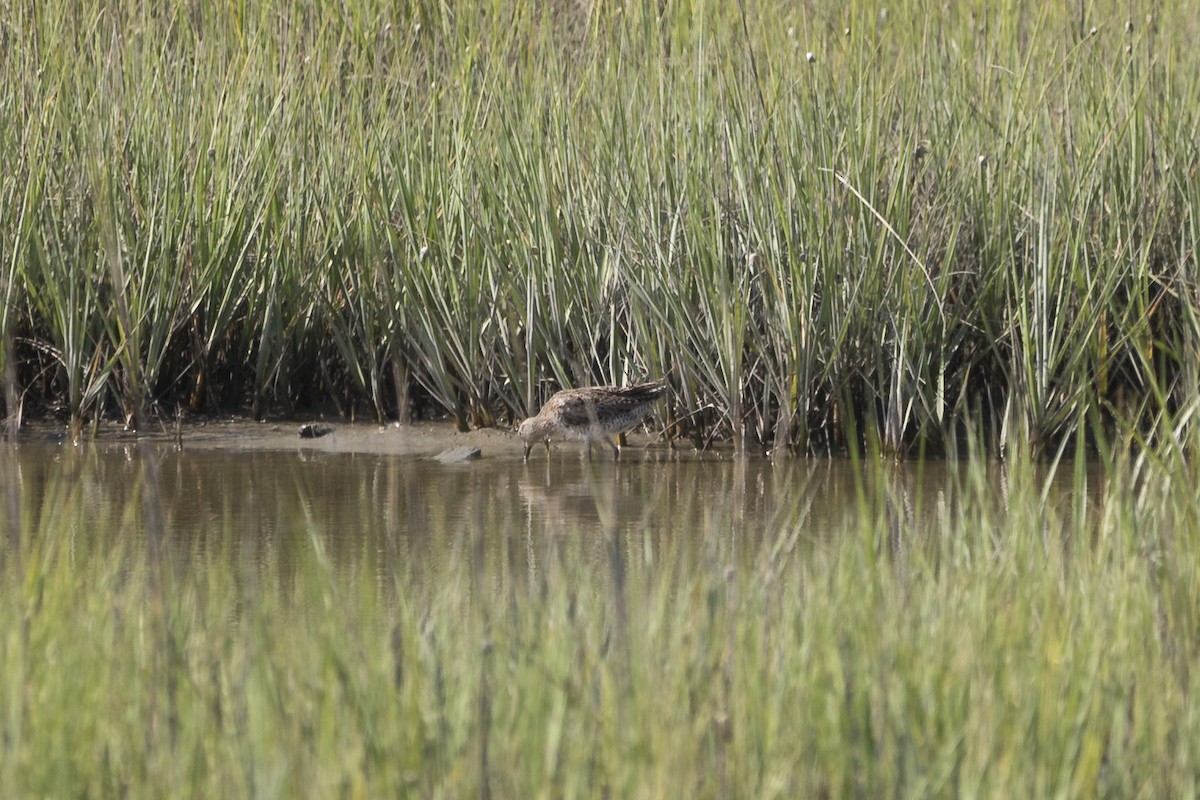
[{"x": 528, "y": 447}]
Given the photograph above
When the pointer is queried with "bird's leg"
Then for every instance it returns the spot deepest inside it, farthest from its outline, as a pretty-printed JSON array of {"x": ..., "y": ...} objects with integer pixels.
[
  {"x": 616, "y": 448},
  {"x": 546, "y": 442}
]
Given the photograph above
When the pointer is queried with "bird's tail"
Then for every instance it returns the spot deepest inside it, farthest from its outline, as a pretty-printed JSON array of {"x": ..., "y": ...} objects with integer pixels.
[{"x": 647, "y": 392}]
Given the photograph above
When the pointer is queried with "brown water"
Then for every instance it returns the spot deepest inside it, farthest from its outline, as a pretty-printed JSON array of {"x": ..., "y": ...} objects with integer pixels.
[{"x": 408, "y": 516}]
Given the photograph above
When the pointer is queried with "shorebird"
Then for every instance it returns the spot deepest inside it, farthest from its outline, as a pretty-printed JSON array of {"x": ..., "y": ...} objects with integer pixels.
[{"x": 592, "y": 413}]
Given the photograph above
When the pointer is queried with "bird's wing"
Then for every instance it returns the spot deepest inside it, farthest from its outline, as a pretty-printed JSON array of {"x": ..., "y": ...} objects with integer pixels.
[{"x": 575, "y": 410}]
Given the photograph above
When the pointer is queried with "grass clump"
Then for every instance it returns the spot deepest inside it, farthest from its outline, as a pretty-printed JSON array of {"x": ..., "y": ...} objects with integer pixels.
[
  {"x": 826, "y": 223},
  {"x": 1026, "y": 630}
]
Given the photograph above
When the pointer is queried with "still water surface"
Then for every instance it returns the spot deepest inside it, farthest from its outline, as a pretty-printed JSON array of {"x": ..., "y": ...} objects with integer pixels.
[{"x": 416, "y": 518}]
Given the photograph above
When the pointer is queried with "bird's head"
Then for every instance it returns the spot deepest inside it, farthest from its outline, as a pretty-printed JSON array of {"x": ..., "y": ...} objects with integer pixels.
[{"x": 533, "y": 430}]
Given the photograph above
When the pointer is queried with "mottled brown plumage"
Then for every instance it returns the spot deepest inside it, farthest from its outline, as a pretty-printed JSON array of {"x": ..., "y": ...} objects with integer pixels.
[{"x": 590, "y": 414}]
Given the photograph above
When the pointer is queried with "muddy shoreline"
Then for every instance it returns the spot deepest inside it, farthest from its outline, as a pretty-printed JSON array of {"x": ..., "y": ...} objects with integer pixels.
[{"x": 424, "y": 439}]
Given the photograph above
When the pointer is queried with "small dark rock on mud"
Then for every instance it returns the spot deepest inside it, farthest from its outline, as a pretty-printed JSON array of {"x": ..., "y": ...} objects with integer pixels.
[
  {"x": 458, "y": 455},
  {"x": 314, "y": 431}
]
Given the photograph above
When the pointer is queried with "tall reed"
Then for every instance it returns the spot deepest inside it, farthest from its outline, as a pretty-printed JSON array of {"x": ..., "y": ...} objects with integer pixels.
[{"x": 825, "y": 224}]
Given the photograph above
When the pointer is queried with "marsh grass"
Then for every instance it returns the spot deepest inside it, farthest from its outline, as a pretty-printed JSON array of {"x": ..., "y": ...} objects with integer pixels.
[
  {"x": 1027, "y": 629},
  {"x": 825, "y": 224}
]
